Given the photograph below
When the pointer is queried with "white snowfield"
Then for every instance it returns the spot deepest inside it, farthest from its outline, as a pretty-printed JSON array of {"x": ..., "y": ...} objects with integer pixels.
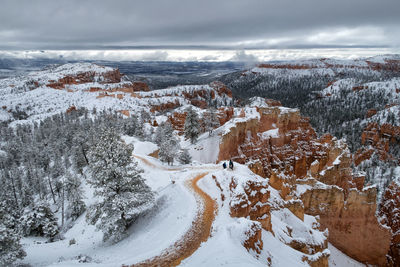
[
  {"x": 40, "y": 101},
  {"x": 326, "y": 66},
  {"x": 173, "y": 216}
]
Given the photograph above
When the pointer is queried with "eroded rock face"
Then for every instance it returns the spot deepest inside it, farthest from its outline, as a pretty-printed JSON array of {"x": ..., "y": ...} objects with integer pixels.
[
  {"x": 177, "y": 121},
  {"x": 221, "y": 89},
  {"x": 318, "y": 260},
  {"x": 253, "y": 202},
  {"x": 279, "y": 139},
  {"x": 390, "y": 214},
  {"x": 314, "y": 175},
  {"x": 113, "y": 76},
  {"x": 379, "y": 138},
  {"x": 254, "y": 241},
  {"x": 353, "y": 227}
]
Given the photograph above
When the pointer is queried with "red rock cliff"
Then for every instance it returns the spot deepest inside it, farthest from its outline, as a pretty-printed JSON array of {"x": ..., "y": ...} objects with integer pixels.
[{"x": 281, "y": 145}]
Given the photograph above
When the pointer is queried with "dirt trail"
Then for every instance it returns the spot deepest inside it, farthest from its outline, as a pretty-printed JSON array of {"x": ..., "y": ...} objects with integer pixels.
[
  {"x": 147, "y": 162},
  {"x": 199, "y": 231}
]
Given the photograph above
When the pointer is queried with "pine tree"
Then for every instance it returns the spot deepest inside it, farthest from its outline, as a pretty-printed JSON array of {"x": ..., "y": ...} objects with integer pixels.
[
  {"x": 145, "y": 117},
  {"x": 40, "y": 221},
  {"x": 185, "y": 157},
  {"x": 169, "y": 145},
  {"x": 74, "y": 192},
  {"x": 192, "y": 125},
  {"x": 131, "y": 126},
  {"x": 10, "y": 247},
  {"x": 123, "y": 193},
  {"x": 169, "y": 150},
  {"x": 211, "y": 120},
  {"x": 159, "y": 134}
]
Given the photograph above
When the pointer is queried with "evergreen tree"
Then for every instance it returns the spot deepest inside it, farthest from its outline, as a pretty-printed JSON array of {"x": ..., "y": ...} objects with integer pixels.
[
  {"x": 192, "y": 125},
  {"x": 169, "y": 150},
  {"x": 10, "y": 247},
  {"x": 211, "y": 120},
  {"x": 40, "y": 221},
  {"x": 123, "y": 194},
  {"x": 76, "y": 206},
  {"x": 131, "y": 126},
  {"x": 159, "y": 134},
  {"x": 185, "y": 157},
  {"x": 169, "y": 145}
]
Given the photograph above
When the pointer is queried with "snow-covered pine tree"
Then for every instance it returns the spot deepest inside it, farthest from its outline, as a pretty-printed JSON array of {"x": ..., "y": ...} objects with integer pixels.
[
  {"x": 192, "y": 125},
  {"x": 159, "y": 134},
  {"x": 123, "y": 193},
  {"x": 10, "y": 247},
  {"x": 74, "y": 192},
  {"x": 145, "y": 117},
  {"x": 184, "y": 157},
  {"x": 131, "y": 125},
  {"x": 169, "y": 145},
  {"x": 40, "y": 221},
  {"x": 80, "y": 147},
  {"x": 211, "y": 120}
]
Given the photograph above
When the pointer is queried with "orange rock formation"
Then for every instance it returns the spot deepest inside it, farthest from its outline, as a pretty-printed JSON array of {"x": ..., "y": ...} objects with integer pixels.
[{"x": 315, "y": 173}]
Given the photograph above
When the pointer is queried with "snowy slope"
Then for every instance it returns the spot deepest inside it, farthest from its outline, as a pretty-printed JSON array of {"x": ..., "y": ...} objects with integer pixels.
[
  {"x": 148, "y": 236},
  {"x": 33, "y": 95},
  {"x": 174, "y": 214}
]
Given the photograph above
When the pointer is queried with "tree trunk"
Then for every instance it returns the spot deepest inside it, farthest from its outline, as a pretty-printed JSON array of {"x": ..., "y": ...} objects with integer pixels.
[
  {"x": 51, "y": 189},
  {"x": 62, "y": 207},
  {"x": 14, "y": 191},
  {"x": 84, "y": 155}
]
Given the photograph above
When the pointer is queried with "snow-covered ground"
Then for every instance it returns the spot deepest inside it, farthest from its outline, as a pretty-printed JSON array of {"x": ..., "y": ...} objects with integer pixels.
[
  {"x": 32, "y": 94},
  {"x": 149, "y": 236},
  {"x": 172, "y": 217},
  {"x": 340, "y": 259}
]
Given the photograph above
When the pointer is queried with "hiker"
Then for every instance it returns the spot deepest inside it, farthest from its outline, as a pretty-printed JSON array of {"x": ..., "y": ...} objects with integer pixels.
[
  {"x": 230, "y": 164},
  {"x": 224, "y": 165}
]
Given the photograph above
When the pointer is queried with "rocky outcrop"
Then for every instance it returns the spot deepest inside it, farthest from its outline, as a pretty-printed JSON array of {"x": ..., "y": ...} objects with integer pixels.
[
  {"x": 252, "y": 203},
  {"x": 390, "y": 213},
  {"x": 221, "y": 89},
  {"x": 177, "y": 121},
  {"x": 371, "y": 112},
  {"x": 253, "y": 241},
  {"x": 353, "y": 227},
  {"x": 279, "y": 139},
  {"x": 378, "y": 138},
  {"x": 165, "y": 106},
  {"x": 113, "y": 76},
  {"x": 318, "y": 260},
  {"x": 363, "y": 154},
  {"x": 313, "y": 175}
]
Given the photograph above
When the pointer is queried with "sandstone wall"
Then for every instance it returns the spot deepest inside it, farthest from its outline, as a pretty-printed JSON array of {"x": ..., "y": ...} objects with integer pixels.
[{"x": 353, "y": 227}]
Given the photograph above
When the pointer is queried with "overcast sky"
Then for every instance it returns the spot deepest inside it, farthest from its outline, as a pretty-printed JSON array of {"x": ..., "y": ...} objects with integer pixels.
[{"x": 197, "y": 25}]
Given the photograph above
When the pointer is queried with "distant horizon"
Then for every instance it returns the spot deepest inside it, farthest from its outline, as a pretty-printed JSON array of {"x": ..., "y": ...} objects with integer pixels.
[{"x": 199, "y": 55}]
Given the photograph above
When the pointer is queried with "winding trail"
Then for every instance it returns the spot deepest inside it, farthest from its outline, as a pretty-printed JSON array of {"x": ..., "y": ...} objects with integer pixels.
[{"x": 198, "y": 232}]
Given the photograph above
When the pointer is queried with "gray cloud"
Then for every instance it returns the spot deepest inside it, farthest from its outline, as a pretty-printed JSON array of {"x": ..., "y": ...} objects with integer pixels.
[
  {"x": 235, "y": 24},
  {"x": 242, "y": 56}
]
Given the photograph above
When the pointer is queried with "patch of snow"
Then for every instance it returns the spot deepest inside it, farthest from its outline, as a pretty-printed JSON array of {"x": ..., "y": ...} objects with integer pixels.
[
  {"x": 340, "y": 259},
  {"x": 273, "y": 133}
]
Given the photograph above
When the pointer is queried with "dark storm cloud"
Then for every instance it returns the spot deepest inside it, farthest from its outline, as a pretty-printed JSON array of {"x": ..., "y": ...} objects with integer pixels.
[{"x": 53, "y": 24}]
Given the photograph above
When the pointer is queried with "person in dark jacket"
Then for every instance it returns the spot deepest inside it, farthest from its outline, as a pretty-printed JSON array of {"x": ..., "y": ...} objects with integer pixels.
[
  {"x": 230, "y": 164},
  {"x": 224, "y": 165}
]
